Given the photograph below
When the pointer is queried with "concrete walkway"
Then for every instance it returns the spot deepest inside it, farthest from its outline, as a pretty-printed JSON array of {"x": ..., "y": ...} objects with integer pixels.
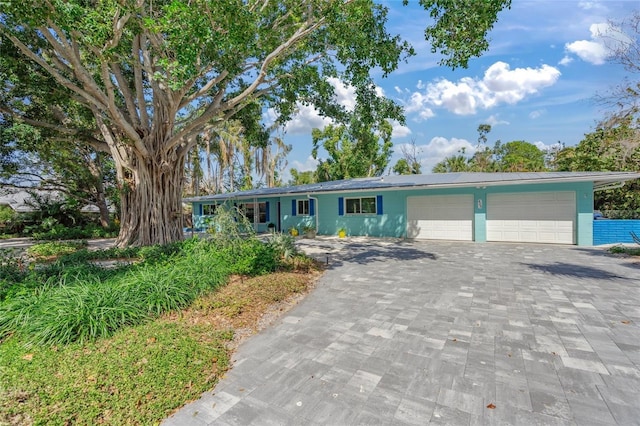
[{"x": 444, "y": 333}]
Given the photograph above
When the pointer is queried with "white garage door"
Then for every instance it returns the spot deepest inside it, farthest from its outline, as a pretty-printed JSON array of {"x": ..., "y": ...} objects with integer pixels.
[
  {"x": 440, "y": 217},
  {"x": 539, "y": 217}
]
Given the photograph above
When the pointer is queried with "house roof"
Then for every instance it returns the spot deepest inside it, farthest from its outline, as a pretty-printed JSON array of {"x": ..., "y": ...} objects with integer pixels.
[
  {"x": 601, "y": 180},
  {"x": 21, "y": 201}
]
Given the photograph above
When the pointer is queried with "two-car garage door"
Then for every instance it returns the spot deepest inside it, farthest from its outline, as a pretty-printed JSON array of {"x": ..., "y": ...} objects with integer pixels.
[
  {"x": 440, "y": 217},
  {"x": 540, "y": 217}
]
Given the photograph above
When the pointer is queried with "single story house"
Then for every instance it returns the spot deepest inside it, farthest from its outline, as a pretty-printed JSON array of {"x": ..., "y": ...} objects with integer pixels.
[{"x": 545, "y": 207}]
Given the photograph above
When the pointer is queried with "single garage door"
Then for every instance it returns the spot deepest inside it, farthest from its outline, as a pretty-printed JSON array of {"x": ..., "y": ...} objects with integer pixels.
[
  {"x": 440, "y": 217},
  {"x": 538, "y": 217}
]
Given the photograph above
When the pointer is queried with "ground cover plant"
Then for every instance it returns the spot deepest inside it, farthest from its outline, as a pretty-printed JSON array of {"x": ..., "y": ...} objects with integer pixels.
[
  {"x": 55, "y": 248},
  {"x": 632, "y": 251},
  {"x": 85, "y": 345}
]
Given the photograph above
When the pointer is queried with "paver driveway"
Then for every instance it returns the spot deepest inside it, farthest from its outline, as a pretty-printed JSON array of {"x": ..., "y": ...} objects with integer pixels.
[{"x": 445, "y": 333}]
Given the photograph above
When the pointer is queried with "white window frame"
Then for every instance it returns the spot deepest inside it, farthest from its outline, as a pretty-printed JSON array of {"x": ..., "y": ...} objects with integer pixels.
[
  {"x": 259, "y": 210},
  {"x": 359, "y": 206},
  {"x": 305, "y": 206}
]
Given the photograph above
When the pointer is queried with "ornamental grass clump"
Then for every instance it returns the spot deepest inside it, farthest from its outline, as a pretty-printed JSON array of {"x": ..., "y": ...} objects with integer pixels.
[{"x": 78, "y": 302}]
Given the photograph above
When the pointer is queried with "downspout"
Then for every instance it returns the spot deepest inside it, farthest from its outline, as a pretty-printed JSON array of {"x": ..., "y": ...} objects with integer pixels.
[{"x": 316, "y": 209}]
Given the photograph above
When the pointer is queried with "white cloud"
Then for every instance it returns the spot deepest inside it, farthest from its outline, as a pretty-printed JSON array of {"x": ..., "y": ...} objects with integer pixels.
[
  {"x": 344, "y": 95},
  {"x": 605, "y": 41},
  {"x": 307, "y": 117},
  {"x": 398, "y": 130},
  {"x": 566, "y": 60},
  {"x": 511, "y": 86},
  {"x": 544, "y": 147},
  {"x": 460, "y": 98},
  {"x": 589, "y": 51},
  {"x": 438, "y": 149},
  {"x": 499, "y": 85},
  {"x": 309, "y": 164},
  {"x": 494, "y": 121},
  {"x": 591, "y": 6},
  {"x": 537, "y": 113}
]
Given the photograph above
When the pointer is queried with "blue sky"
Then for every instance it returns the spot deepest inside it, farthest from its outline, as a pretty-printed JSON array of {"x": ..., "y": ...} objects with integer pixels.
[{"x": 546, "y": 62}]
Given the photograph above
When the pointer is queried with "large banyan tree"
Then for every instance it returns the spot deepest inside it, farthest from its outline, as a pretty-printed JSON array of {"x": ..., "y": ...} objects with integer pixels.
[{"x": 157, "y": 73}]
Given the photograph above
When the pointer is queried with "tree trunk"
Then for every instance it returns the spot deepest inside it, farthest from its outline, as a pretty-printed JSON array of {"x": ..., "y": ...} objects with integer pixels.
[
  {"x": 103, "y": 208},
  {"x": 151, "y": 198}
]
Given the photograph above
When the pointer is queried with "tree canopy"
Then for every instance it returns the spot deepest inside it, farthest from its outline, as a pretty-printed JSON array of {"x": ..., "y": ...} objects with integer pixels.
[
  {"x": 612, "y": 146},
  {"x": 357, "y": 149},
  {"x": 514, "y": 156},
  {"x": 154, "y": 75}
]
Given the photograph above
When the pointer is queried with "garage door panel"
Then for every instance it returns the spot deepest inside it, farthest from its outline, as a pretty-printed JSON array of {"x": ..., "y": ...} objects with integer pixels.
[
  {"x": 544, "y": 217},
  {"x": 445, "y": 217}
]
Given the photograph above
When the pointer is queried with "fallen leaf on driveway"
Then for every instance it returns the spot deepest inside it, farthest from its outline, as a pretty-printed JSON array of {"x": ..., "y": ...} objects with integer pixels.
[
  {"x": 491, "y": 406},
  {"x": 625, "y": 322}
]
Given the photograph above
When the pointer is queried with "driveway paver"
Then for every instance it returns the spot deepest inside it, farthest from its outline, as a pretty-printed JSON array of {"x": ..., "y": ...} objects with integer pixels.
[{"x": 410, "y": 333}]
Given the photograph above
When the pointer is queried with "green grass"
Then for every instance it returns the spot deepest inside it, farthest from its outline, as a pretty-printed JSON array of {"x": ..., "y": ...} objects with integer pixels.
[
  {"x": 84, "y": 345},
  {"x": 632, "y": 251},
  {"x": 69, "y": 302},
  {"x": 55, "y": 248},
  {"x": 138, "y": 376}
]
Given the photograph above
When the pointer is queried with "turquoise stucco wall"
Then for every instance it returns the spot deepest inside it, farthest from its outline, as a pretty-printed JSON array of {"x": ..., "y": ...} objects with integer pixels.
[{"x": 392, "y": 221}]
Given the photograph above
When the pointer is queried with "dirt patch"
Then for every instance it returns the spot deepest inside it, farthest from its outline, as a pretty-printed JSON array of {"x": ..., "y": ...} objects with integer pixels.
[{"x": 248, "y": 305}]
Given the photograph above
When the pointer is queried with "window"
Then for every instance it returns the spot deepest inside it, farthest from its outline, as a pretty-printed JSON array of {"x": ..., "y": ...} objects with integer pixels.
[
  {"x": 208, "y": 209},
  {"x": 249, "y": 210},
  {"x": 262, "y": 213},
  {"x": 303, "y": 208},
  {"x": 365, "y": 205}
]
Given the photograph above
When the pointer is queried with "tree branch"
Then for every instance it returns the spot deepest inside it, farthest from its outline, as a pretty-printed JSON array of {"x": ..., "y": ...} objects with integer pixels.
[
  {"x": 297, "y": 36},
  {"x": 138, "y": 81},
  {"x": 128, "y": 97},
  {"x": 187, "y": 100}
]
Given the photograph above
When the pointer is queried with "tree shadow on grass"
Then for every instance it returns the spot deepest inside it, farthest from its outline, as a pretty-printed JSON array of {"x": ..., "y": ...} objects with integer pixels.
[{"x": 572, "y": 270}]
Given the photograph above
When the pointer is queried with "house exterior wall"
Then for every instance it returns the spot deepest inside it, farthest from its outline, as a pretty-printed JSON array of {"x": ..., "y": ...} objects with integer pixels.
[
  {"x": 612, "y": 231},
  {"x": 390, "y": 219},
  {"x": 199, "y": 219}
]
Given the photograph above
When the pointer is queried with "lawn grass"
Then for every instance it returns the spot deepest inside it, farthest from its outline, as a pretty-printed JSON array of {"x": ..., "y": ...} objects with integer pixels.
[
  {"x": 81, "y": 344},
  {"x": 140, "y": 374}
]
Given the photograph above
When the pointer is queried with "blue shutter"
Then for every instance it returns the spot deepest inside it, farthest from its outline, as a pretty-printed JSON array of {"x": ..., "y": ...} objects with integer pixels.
[
  {"x": 293, "y": 207},
  {"x": 340, "y": 206},
  {"x": 379, "y": 204},
  {"x": 267, "y": 208},
  {"x": 312, "y": 207}
]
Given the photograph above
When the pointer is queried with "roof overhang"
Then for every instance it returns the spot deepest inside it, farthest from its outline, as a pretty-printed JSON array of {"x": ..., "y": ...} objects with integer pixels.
[{"x": 601, "y": 181}]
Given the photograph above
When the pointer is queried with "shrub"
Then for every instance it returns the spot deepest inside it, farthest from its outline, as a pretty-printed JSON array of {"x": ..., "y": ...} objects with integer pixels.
[
  {"x": 284, "y": 245},
  {"x": 229, "y": 226},
  {"x": 632, "y": 251},
  {"x": 621, "y": 214},
  {"x": 61, "y": 232}
]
